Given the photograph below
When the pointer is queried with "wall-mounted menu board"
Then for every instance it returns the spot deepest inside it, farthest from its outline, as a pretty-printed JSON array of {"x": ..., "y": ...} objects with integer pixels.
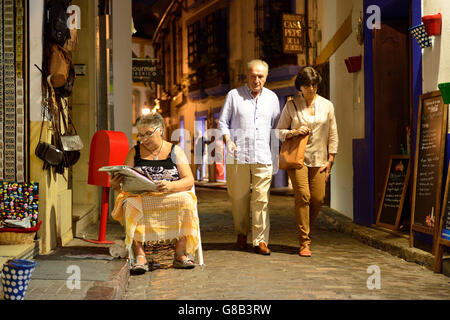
[
  {"x": 394, "y": 192},
  {"x": 428, "y": 164}
]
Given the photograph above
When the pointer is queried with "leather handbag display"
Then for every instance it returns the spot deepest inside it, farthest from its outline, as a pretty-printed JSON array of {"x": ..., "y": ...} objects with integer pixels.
[
  {"x": 59, "y": 66},
  {"x": 70, "y": 144},
  {"x": 70, "y": 139},
  {"x": 48, "y": 152},
  {"x": 292, "y": 153}
]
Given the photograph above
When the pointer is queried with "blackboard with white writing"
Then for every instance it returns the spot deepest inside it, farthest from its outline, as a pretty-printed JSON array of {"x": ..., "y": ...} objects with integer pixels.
[
  {"x": 430, "y": 144},
  {"x": 395, "y": 187}
]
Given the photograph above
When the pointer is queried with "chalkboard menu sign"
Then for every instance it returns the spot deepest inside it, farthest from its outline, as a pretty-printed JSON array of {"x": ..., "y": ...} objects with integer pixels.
[
  {"x": 428, "y": 165},
  {"x": 395, "y": 187}
]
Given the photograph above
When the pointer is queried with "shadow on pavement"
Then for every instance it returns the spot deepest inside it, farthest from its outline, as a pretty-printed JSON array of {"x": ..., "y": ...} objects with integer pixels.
[{"x": 275, "y": 248}]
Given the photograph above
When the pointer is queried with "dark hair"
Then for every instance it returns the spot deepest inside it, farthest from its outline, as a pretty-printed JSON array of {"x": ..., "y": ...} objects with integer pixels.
[{"x": 307, "y": 76}]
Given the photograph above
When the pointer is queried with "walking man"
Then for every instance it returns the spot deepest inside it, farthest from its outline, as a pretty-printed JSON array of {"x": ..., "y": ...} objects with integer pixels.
[{"x": 247, "y": 117}]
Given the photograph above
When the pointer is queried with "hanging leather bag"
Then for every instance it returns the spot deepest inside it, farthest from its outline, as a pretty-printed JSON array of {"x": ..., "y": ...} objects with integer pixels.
[
  {"x": 59, "y": 66},
  {"x": 70, "y": 155},
  {"x": 56, "y": 21},
  {"x": 292, "y": 153},
  {"x": 70, "y": 139},
  {"x": 48, "y": 152}
]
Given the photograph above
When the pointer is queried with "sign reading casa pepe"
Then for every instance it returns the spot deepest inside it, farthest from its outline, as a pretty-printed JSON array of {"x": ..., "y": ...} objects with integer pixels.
[{"x": 293, "y": 33}]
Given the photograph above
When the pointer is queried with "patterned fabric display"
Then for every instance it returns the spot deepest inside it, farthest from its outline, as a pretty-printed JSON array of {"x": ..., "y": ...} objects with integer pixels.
[
  {"x": 12, "y": 90},
  {"x": 19, "y": 201},
  {"x": 421, "y": 36}
]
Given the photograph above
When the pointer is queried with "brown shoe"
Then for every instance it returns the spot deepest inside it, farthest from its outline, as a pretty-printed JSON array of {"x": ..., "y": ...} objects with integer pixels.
[
  {"x": 305, "y": 251},
  {"x": 241, "y": 242},
  {"x": 262, "y": 249}
]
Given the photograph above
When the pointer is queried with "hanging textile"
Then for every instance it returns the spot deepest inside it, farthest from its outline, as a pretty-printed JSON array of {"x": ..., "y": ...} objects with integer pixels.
[{"x": 13, "y": 90}]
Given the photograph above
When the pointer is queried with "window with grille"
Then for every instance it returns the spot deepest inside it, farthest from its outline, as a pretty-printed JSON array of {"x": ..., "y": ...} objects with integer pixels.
[
  {"x": 208, "y": 47},
  {"x": 269, "y": 40}
]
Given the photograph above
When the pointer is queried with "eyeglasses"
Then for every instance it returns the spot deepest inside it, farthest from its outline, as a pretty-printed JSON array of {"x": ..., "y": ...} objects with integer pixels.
[
  {"x": 307, "y": 86},
  {"x": 146, "y": 135}
]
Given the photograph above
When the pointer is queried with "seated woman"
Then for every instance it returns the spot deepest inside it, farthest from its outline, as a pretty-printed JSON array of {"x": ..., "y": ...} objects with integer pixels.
[{"x": 166, "y": 214}]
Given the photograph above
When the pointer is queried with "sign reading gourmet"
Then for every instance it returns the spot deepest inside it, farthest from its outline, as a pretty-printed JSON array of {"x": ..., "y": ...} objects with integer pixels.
[
  {"x": 145, "y": 70},
  {"x": 293, "y": 33},
  {"x": 395, "y": 187},
  {"x": 428, "y": 168}
]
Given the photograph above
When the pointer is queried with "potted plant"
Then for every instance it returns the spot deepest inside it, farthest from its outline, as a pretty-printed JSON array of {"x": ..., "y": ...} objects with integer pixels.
[{"x": 445, "y": 91}]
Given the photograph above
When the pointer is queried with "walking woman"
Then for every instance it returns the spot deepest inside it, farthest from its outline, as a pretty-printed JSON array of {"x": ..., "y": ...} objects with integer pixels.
[{"x": 311, "y": 114}]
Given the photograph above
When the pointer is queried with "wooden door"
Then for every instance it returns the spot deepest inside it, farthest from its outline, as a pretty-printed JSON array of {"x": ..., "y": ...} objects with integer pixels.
[{"x": 391, "y": 97}]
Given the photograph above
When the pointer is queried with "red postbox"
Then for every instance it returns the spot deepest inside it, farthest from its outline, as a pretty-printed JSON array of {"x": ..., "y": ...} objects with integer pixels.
[{"x": 108, "y": 148}]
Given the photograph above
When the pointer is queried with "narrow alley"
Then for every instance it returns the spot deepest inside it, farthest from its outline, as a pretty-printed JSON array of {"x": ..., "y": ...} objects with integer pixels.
[{"x": 338, "y": 268}]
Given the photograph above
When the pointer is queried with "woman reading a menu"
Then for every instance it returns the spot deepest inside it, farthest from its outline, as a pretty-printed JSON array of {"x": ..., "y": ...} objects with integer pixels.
[{"x": 168, "y": 213}]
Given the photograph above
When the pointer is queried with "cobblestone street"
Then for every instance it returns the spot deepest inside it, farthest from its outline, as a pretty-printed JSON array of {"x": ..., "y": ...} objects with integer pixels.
[{"x": 340, "y": 267}]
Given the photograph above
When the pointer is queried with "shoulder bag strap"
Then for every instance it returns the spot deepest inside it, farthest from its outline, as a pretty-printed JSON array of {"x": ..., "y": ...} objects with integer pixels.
[
  {"x": 296, "y": 110},
  {"x": 56, "y": 121},
  {"x": 69, "y": 120},
  {"x": 42, "y": 124}
]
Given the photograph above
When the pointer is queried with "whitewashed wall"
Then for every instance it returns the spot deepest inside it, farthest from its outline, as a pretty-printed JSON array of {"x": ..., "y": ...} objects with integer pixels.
[
  {"x": 436, "y": 60},
  {"x": 347, "y": 95},
  {"x": 122, "y": 64},
  {"x": 36, "y": 26}
]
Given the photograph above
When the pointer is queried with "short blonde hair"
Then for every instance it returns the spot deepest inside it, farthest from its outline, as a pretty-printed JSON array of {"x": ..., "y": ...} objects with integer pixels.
[
  {"x": 258, "y": 61},
  {"x": 153, "y": 119}
]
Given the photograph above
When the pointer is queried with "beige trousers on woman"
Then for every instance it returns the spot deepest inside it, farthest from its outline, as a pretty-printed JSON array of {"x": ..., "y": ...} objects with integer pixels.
[{"x": 309, "y": 192}]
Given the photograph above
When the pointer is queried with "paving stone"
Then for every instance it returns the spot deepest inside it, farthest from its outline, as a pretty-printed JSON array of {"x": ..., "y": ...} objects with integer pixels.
[{"x": 337, "y": 269}]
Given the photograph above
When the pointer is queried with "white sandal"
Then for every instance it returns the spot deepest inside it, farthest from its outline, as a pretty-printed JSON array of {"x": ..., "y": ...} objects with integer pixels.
[{"x": 139, "y": 268}]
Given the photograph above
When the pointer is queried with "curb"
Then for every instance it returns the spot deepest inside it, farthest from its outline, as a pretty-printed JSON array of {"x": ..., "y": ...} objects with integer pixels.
[{"x": 112, "y": 289}]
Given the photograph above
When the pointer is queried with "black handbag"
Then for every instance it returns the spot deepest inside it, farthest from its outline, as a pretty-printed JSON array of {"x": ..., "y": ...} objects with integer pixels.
[{"x": 48, "y": 152}]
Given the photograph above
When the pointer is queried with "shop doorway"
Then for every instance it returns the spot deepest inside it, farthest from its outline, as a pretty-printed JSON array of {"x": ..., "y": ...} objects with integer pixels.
[
  {"x": 385, "y": 100},
  {"x": 392, "y": 114}
]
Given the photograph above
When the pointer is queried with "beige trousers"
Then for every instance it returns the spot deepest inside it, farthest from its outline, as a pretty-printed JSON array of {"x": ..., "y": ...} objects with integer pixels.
[
  {"x": 241, "y": 179},
  {"x": 309, "y": 191}
]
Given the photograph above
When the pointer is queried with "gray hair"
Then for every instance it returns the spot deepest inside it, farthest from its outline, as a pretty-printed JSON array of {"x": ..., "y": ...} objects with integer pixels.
[
  {"x": 153, "y": 119},
  {"x": 258, "y": 61}
]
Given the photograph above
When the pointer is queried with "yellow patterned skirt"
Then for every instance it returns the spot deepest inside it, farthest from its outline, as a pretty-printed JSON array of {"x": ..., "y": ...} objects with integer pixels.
[{"x": 155, "y": 216}]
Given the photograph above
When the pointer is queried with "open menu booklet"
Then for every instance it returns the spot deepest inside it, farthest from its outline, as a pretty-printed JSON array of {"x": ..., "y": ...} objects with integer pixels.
[{"x": 134, "y": 180}]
